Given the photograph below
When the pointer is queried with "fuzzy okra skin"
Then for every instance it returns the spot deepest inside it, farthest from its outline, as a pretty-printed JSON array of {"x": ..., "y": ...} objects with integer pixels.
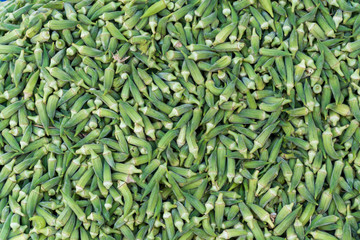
[{"x": 174, "y": 119}]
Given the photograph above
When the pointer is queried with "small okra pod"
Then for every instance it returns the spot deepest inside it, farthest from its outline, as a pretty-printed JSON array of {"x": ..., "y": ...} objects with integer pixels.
[
  {"x": 15, "y": 206},
  {"x": 325, "y": 201},
  {"x": 234, "y": 232},
  {"x": 49, "y": 184},
  {"x": 155, "y": 179},
  {"x": 309, "y": 181},
  {"x": 346, "y": 231},
  {"x": 69, "y": 227},
  {"x": 349, "y": 173},
  {"x": 262, "y": 214},
  {"x": 252, "y": 183},
  {"x": 263, "y": 137},
  {"x": 107, "y": 175},
  {"x": 97, "y": 164},
  {"x": 152, "y": 202},
  {"x": 341, "y": 109},
  {"x": 286, "y": 171},
  {"x": 15, "y": 222},
  {"x": 322, "y": 235},
  {"x": 78, "y": 117},
  {"x": 184, "y": 214},
  {"x": 219, "y": 210},
  {"x": 283, "y": 212},
  {"x": 10, "y": 139},
  {"x": 169, "y": 224},
  {"x": 328, "y": 144},
  {"x": 114, "y": 31},
  {"x": 299, "y": 142},
  {"x": 354, "y": 124},
  {"x": 125, "y": 191},
  {"x": 304, "y": 192},
  {"x": 74, "y": 206},
  {"x": 197, "y": 204},
  {"x": 6, "y": 170},
  {"x": 11, "y": 109},
  {"x": 108, "y": 78},
  {"x": 268, "y": 196},
  {"x": 297, "y": 176},
  {"x": 267, "y": 178},
  {"x": 245, "y": 211},
  {"x": 255, "y": 229},
  {"x": 176, "y": 189},
  {"x": 288, "y": 221},
  {"x": 335, "y": 175},
  {"x": 331, "y": 59},
  {"x": 353, "y": 103},
  {"x": 273, "y": 52}
]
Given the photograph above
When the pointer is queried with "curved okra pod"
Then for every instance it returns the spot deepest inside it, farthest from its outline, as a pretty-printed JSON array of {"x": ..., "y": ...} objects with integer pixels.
[{"x": 328, "y": 144}]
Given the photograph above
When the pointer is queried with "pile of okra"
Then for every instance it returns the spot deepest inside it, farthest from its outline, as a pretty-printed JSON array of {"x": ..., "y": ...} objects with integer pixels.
[{"x": 179, "y": 119}]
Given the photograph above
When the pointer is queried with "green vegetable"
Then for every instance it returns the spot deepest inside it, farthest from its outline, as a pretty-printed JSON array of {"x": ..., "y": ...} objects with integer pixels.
[{"x": 179, "y": 119}]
